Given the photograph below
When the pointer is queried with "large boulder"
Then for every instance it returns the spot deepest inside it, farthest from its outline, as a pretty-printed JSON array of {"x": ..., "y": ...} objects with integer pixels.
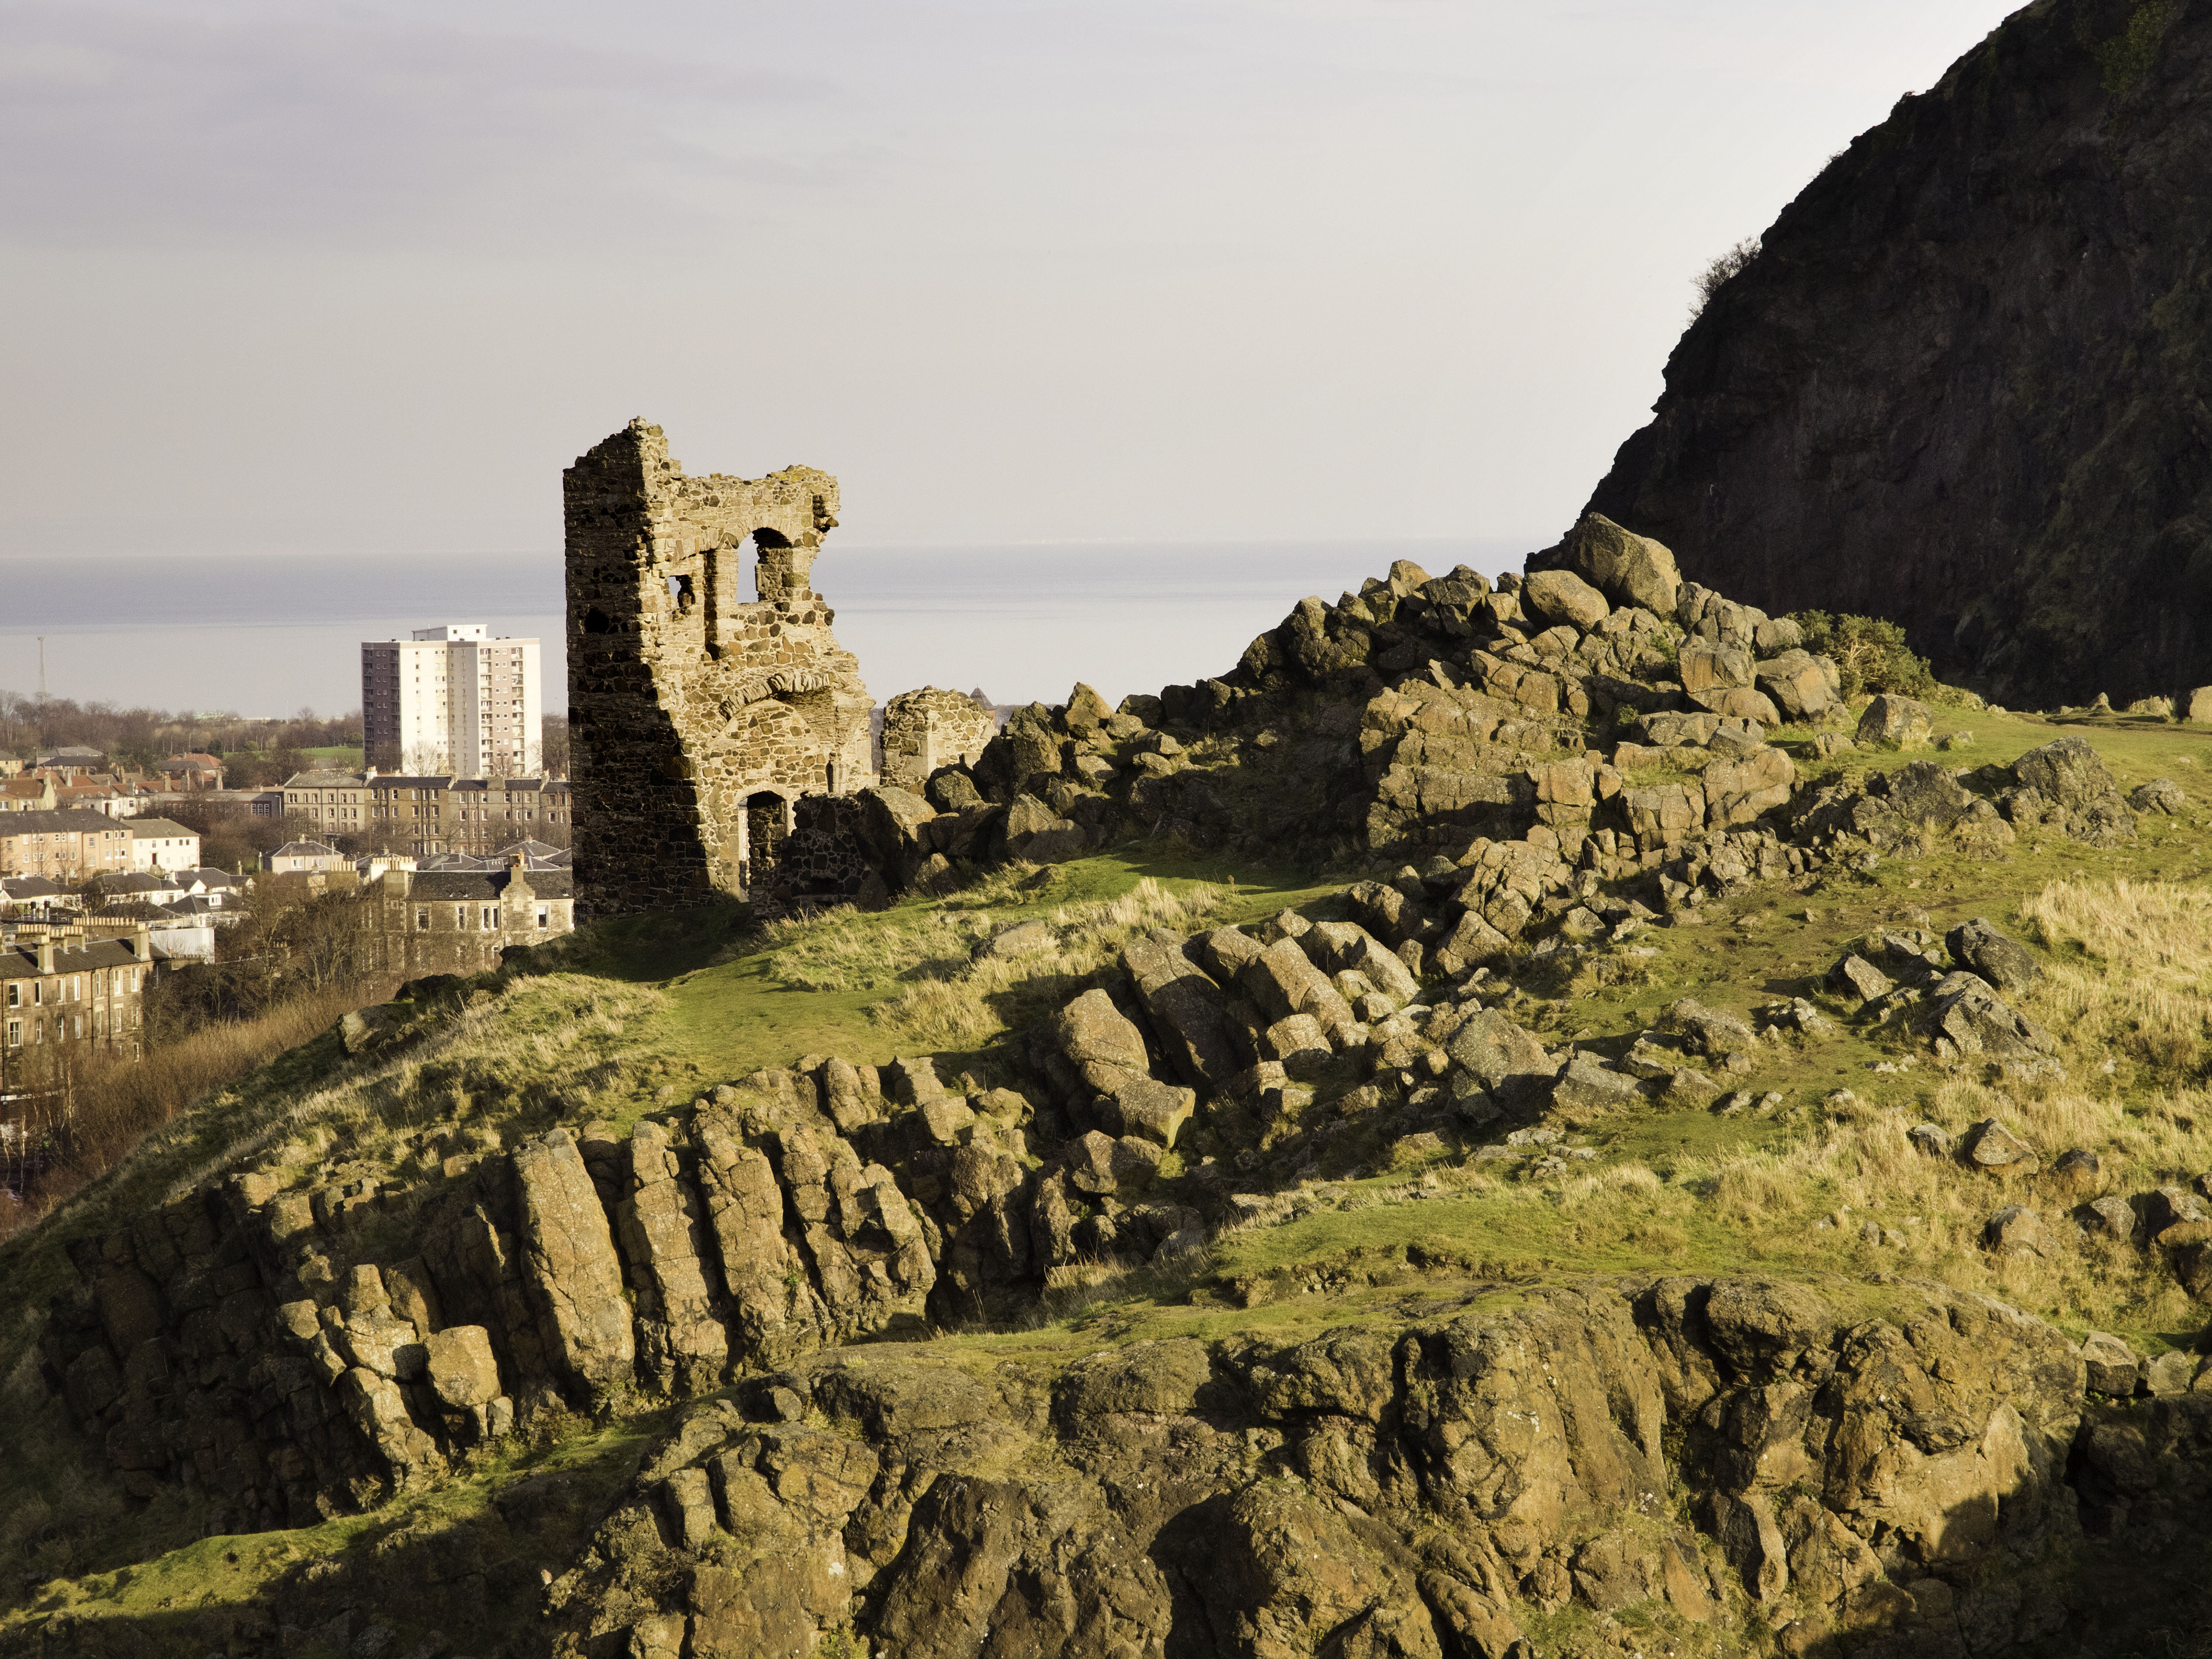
[
  {"x": 1709, "y": 666},
  {"x": 1561, "y": 596},
  {"x": 1337, "y": 947},
  {"x": 1737, "y": 792},
  {"x": 1964, "y": 1011},
  {"x": 2069, "y": 771},
  {"x": 2067, "y": 781},
  {"x": 1507, "y": 1062},
  {"x": 1978, "y": 947},
  {"x": 1900, "y": 722},
  {"x": 1803, "y": 686},
  {"x": 1282, "y": 980},
  {"x": 1189, "y": 1013},
  {"x": 1627, "y": 568},
  {"x": 572, "y": 1275},
  {"x": 1105, "y": 1052},
  {"x": 1739, "y": 702}
]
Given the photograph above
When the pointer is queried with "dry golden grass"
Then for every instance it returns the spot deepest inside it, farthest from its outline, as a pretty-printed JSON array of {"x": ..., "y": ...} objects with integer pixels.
[
  {"x": 2133, "y": 970},
  {"x": 2128, "y": 997},
  {"x": 116, "y": 1104}
]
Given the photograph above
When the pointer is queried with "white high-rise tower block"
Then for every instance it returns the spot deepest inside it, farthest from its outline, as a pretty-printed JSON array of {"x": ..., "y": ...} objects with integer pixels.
[{"x": 452, "y": 699}]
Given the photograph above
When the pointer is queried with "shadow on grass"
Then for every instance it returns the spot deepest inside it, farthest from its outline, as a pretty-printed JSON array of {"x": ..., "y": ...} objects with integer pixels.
[{"x": 467, "y": 1561}]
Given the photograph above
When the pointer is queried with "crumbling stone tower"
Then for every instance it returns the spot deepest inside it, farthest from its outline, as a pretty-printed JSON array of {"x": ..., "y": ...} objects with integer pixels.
[{"x": 697, "y": 716}]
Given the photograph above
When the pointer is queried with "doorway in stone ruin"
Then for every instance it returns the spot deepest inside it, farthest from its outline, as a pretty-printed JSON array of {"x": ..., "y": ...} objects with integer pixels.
[{"x": 768, "y": 822}]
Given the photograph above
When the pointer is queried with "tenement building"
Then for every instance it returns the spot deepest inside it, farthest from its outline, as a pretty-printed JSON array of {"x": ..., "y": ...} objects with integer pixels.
[
  {"x": 65, "y": 846},
  {"x": 66, "y": 992},
  {"x": 458, "y": 921},
  {"x": 434, "y": 813},
  {"x": 698, "y": 716},
  {"x": 452, "y": 699}
]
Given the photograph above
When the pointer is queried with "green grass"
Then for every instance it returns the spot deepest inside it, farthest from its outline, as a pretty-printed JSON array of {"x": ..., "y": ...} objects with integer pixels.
[{"x": 734, "y": 1017}]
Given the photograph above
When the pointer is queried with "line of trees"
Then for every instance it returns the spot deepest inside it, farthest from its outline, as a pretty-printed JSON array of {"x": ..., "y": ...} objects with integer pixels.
[{"x": 141, "y": 737}]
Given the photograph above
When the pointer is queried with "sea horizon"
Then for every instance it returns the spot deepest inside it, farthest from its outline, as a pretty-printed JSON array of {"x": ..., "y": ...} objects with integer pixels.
[{"x": 268, "y": 635}]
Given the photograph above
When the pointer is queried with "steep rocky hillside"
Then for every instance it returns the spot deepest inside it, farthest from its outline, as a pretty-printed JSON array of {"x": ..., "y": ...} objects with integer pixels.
[
  {"x": 1962, "y": 384},
  {"x": 1514, "y": 1122}
]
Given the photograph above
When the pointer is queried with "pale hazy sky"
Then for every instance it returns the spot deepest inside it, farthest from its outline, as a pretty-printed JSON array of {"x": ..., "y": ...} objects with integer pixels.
[{"x": 305, "y": 279}]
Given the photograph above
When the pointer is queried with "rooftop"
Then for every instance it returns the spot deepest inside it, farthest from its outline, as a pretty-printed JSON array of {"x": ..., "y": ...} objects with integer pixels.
[{"x": 62, "y": 820}]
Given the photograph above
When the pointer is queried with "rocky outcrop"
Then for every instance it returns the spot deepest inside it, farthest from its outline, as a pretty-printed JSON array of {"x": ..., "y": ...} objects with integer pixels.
[
  {"x": 1716, "y": 1450},
  {"x": 1420, "y": 715},
  {"x": 1938, "y": 390}
]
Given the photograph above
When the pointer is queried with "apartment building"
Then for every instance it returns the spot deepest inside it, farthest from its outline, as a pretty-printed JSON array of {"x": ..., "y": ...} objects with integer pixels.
[
  {"x": 460, "y": 921},
  {"x": 66, "y": 986},
  {"x": 438, "y": 812},
  {"x": 159, "y": 844},
  {"x": 453, "y": 699},
  {"x": 64, "y": 846}
]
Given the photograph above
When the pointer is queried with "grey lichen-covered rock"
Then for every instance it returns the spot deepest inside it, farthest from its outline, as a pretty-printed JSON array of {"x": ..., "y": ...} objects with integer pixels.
[
  {"x": 2069, "y": 781},
  {"x": 1993, "y": 1147},
  {"x": 462, "y": 1366},
  {"x": 1712, "y": 1031},
  {"x": 1738, "y": 791},
  {"x": 1900, "y": 722},
  {"x": 2158, "y": 795},
  {"x": 1587, "y": 1089},
  {"x": 1977, "y": 946},
  {"x": 1963, "y": 1012},
  {"x": 2016, "y": 1230},
  {"x": 1189, "y": 1011},
  {"x": 1802, "y": 686},
  {"x": 1022, "y": 939},
  {"x": 1505, "y": 1060},
  {"x": 1854, "y": 976},
  {"x": 683, "y": 1346}
]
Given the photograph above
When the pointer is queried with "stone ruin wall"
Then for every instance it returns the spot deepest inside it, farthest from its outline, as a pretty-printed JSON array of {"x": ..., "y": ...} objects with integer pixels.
[
  {"x": 926, "y": 729},
  {"x": 698, "y": 716}
]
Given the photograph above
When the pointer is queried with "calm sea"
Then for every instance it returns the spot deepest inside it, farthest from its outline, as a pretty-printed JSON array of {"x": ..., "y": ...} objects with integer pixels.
[{"x": 263, "y": 635}]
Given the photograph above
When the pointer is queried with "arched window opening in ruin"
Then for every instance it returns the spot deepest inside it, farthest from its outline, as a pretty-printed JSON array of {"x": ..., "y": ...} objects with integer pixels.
[{"x": 679, "y": 591}]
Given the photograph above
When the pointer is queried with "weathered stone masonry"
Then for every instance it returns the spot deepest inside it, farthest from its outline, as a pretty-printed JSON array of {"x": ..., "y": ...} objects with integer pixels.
[
  {"x": 926, "y": 729},
  {"x": 698, "y": 717}
]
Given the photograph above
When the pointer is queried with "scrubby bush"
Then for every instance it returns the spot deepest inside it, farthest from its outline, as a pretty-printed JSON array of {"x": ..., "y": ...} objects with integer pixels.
[
  {"x": 1724, "y": 266},
  {"x": 1870, "y": 653}
]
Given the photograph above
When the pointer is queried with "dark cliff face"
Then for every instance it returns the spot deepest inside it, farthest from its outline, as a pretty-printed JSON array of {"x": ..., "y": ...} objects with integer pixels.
[{"x": 1965, "y": 382}]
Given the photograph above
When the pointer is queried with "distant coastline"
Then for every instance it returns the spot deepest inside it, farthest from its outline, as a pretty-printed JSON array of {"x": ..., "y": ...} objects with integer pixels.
[{"x": 267, "y": 635}]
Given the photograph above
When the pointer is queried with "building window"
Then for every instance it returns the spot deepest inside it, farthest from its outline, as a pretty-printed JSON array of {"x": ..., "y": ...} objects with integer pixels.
[
  {"x": 545, "y": 916},
  {"x": 15, "y": 1034},
  {"x": 422, "y": 921},
  {"x": 461, "y": 916},
  {"x": 14, "y": 993},
  {"x": 491, "y": 918}
]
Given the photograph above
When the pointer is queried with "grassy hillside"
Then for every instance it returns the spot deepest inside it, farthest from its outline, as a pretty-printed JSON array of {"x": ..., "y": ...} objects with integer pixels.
[{"x": 1812, "y": 1177}]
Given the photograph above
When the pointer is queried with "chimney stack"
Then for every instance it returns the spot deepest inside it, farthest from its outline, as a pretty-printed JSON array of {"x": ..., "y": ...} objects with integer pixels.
[{"x": 46, "y": 955}]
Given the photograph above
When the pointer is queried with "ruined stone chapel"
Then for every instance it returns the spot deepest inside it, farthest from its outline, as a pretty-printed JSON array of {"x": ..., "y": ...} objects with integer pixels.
[{"x": 699, "y": 714}]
